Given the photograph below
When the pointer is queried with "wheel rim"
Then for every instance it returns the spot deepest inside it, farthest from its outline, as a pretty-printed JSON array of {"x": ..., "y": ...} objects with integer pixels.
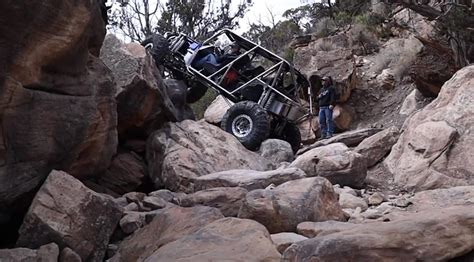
[
  {"x": 242, "y": 126},
  {"x": 149, "y": 46}
]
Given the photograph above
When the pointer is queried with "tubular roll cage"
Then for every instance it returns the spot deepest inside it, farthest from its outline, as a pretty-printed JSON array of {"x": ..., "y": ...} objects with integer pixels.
[{"x": 280, "y": 66}]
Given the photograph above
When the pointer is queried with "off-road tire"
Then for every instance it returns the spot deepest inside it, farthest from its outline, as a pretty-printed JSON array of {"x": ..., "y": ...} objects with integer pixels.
[
  {"x": 158, "y": 46},
  {"x": 291, "y": 134},
  {"x": 247, "y": 111},
  {"x": 196, "y": 90}
]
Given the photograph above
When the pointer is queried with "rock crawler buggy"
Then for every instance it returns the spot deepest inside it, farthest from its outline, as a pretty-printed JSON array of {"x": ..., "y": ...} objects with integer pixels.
[{"x": 266, "y": 90}]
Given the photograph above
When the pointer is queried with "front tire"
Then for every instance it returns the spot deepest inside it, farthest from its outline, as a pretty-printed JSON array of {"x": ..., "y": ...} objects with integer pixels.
[{"x": 247, "y": 121}]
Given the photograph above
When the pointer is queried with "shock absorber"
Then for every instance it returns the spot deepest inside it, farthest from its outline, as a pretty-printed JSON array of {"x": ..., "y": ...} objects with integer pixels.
[{"x": 269, "y": 101}]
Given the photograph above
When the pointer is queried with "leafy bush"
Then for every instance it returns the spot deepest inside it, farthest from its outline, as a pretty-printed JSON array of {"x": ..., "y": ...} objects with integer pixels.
[
  {"x": 200, "y": 106},
  {"x": 324, "y": 27},
  {"x": 361, "y": 35}
]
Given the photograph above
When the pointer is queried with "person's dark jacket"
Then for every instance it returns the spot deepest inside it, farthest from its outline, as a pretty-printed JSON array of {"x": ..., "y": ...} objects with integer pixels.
[{"x": 327, "y": 96}]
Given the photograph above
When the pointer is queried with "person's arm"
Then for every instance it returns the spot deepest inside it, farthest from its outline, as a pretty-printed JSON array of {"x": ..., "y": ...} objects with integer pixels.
[{"x": 332, "y": 97}]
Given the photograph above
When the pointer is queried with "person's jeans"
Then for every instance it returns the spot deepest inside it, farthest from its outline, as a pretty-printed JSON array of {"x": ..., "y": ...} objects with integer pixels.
[
  {"x": 210, "y": 58},
  {"x": 325, "y": 121}
]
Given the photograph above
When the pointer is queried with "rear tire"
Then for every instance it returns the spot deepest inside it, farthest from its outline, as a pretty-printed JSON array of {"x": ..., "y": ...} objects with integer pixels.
[
  {"x": 291, "y": 134},
  {"x": 247, "y": 121},
  {"x": 196, "y": 90},
  {"x": 158, "y": 46}
]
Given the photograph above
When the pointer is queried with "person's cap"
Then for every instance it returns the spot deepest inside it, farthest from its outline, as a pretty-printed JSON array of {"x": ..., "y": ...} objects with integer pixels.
[{"x": 325, "y": 78}]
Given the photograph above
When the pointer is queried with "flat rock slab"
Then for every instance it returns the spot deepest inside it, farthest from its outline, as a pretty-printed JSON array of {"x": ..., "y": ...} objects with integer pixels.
[
  {"x": 440, "y": 233},
  {"x": 350, "y": 139},
  {"x": 167, "y": 226},
  {"x": 64, "y": 211},
  {"x": 376, "y": 147},
  {"x": 227, "y": 199},
  {"x": 283, "y": 240},
  {"x": 181, "y": 152},
  {"x": 248, "y": 179},
  {"x": 281, "y": 209},
  {"x": 223, "y": 240},
  {"x": 336, "y": 162}
]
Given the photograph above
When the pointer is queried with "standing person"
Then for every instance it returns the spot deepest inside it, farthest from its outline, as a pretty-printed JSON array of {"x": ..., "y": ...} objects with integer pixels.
[{"x": 326, "y": 101}]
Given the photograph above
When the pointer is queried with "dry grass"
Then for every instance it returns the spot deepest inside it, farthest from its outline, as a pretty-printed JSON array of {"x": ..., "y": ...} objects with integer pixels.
[{"x": 398, "y": 56}]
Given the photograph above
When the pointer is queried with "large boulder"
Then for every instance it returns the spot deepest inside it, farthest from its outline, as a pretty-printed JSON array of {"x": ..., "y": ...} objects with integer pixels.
[
  {"x": 281, "y": 209},
  {"x": 167, "y": 226},
  {"x": 436, "y": 148},
  {"x": 277, "y": 151},
  {"x": 57, "y": 106},
  {"x": 216, "y": 110},
  {"x": 248, "y": 179},
  {"x": 227, "y": 199},
  {"x": 46, "y": 253},
  {"x": 376, "y": 147},
  {"x": 126, "y": 173},
  {"x": 335, "y": 162},
  {"x": 67, "y": 213},
  {"x": 440, "y": 233},
  {"x": 224, "y": 239},
  {"x": 142, "y": 99},
  {"x": 181, "y": 152}
]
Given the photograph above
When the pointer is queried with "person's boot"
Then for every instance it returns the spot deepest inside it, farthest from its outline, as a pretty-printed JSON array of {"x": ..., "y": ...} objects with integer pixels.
[
  {"x": 329, "y": 136},
  {"x": 323, "y": 136}
]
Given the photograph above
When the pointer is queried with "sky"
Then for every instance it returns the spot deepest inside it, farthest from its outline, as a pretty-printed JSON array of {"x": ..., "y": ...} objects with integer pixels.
[{"x": 259, "y": 11}]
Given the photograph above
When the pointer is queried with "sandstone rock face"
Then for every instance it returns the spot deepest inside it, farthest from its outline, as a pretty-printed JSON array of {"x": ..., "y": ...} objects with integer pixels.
[
  {"x": 167, "y": 226},
  {"x": 342, "y": 117},
  {"x": 440, "y": 198},
  {"x": 57, "y": 106},
  {"x": 181, "y": 152},
  {"x": 276, "y": 151},
  {"x": 143, "y": 102},
  {"x": 216, "y": 110},
  {"x": 227, "y": 199},
  {"x": 177, "y": 92},
  {"x": 283, "y": 240},
  {"x": 248, "y": 179},
  {"x": 442, "y": 234},
  {"x": 66, "y": 212},
  {"x": 436, "y": 148},
  {"x": 432, "y": 68},
  {"x": 224, "y": 239},
  {"x": 410, "y": 104},
  {"x": 376, "y": 147},
  {"x": 353, "y": 202},
  {"x": 125, "y": 174},
  {"x": 46, "y": 253},
  {"x": 335, "y": 162},
  {"x": 281, "y": 209},
  {"x": 314, "y": 229},
  {"x": 316, "y": 61}
]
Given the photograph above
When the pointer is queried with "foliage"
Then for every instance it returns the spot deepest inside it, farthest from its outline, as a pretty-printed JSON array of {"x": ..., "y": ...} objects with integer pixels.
[
  {"x": 200, "y": 106},
  {"x": 276, "y": 38},
  {"x": 200, "y": 18},
  {"x": 196, "y": 18}
]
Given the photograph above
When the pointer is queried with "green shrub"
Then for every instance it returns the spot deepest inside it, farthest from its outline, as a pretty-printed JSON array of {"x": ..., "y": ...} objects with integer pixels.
[{"x": 200, "y": 106}]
